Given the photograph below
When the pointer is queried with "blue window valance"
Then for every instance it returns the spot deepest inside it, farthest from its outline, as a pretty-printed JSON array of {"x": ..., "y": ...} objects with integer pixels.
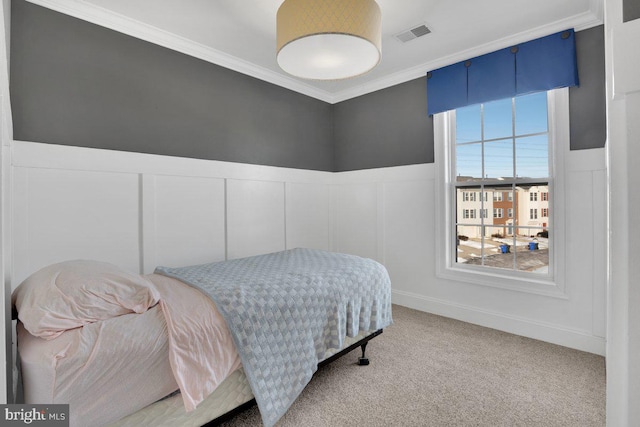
[{"x": 538, "y": 65}]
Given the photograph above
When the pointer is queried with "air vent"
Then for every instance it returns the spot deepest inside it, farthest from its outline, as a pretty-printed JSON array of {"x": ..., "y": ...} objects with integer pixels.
[{"x": 413, "y": 33}]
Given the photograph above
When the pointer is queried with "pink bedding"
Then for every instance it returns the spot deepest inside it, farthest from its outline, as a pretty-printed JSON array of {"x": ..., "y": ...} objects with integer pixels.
[
  {"x": 201, "y": 350},
  {"x": 104, "y": 370},
  {"x": 111, "y": 368}
]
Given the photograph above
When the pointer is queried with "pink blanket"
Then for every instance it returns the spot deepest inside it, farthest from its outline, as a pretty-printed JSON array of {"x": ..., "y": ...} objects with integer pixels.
[{"x": 201, "y": 350}]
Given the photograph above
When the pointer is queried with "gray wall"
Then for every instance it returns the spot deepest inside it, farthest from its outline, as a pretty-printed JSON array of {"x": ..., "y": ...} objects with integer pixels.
[
  {"x": 76, "y": 83},
  {"x": 630, "y": 10},
  {"x": 389, "y": 127},
  {"x": 588, "y": 113}
]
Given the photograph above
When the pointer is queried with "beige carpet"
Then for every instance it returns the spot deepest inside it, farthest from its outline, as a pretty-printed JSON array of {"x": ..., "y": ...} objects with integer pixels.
[{"x": 428, "y": 370}]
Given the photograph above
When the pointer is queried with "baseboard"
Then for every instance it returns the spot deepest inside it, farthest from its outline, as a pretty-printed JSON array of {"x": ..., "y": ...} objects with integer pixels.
[{"x": 554, "y": 334}]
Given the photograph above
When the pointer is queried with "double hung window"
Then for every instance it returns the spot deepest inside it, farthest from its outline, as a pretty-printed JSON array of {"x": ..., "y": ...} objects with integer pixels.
[{"x": 508, "y": 148}]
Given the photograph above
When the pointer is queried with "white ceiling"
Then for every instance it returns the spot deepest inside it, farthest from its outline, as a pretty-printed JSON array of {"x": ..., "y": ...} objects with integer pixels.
[{"x": 240, "y": 34}]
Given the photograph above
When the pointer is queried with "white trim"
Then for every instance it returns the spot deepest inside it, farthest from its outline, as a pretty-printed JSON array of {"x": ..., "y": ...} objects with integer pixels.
[
  {"x": 552, "y": 285},
  {"x": 535, "y": 329},
  {"x": 117, "y": 22},
  {"x": 51, "y": 156}
]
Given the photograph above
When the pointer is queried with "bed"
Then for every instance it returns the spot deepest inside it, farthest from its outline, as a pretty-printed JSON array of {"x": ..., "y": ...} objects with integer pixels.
[{"x": 191, "y": 345}]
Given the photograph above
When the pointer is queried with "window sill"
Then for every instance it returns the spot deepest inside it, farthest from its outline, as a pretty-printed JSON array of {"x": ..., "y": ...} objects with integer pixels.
[{"x": 543, "y": 285}]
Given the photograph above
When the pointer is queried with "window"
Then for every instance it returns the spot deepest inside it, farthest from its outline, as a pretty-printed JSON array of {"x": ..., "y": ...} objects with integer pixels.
[
  {"x": 468, "y": 159},
  {"x": 501, "y": 147},
  {"x": 544, "y": 196},
  {"x": 469, "y": 196},
  {"x": 469, "y": 213},
  {"x": 545, "y": 212}
]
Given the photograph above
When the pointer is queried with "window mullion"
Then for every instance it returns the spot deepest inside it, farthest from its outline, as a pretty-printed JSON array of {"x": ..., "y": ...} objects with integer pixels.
[
  {"x": 515, "y": 219},
  {"x": 482, "y": 178}
]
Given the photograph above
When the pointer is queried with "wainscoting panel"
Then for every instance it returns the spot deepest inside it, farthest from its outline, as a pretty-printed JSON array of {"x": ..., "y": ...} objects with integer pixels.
[
  {"x": 356, "y": 220},
  {"x": 255, "y": 218},
  {"x": 408, "y": 231},
  {"x": 307, "y": 215},
  {"x": 63, "y": 215},
  {"x": 189, "y": 221}
]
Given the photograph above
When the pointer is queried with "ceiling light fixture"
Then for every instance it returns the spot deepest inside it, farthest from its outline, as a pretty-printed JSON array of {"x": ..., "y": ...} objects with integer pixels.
[{"x": 328, "y": 39}]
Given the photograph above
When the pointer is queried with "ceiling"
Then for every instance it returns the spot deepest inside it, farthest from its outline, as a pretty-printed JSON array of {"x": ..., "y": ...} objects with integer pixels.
[{"x": 240, "y": 34}]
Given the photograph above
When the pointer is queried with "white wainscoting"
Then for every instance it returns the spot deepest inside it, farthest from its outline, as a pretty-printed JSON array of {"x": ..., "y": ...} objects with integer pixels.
[
  {"x": 139, "y": 211},
  {"x": 389, "y": 214}
]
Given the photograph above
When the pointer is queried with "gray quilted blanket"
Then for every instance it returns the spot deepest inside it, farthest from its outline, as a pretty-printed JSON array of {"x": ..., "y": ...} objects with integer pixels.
[{"x": 286, "y": 309}]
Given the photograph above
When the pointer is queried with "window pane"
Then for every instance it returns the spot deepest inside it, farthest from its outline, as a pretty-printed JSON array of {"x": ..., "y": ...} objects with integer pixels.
[
  {"x": 498, "y": 159},
  {"x": 498, "y": 248},
  {"x": 532, "y": 253},
  {"x": 468, "y": 124},
  {"x": 469, "y": 162},
  {"x": 532, "y": 157},
  {"x": 531, "y": 113},
  {"x": 469, "y": 244},
  {"x": 468, "y": 205},
  {"x": 497, "y": 119}
]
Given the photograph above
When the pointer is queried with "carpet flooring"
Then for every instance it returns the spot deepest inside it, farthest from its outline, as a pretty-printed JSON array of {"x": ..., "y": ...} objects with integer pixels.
[{"x": 428, "y": 370}]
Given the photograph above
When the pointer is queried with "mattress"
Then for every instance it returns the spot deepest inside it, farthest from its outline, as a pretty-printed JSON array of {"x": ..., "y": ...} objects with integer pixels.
[{"x": 91, "y": 368}]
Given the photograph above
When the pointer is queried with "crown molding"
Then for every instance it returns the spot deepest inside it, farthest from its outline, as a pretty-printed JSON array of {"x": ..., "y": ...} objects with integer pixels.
[
  {"x": 123, "y": 24},
  {"x": 578, "y": 22}
]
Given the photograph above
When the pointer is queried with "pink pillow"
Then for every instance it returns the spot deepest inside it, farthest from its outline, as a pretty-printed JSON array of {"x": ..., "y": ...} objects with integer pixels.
[{"x": 74, "y": 293}]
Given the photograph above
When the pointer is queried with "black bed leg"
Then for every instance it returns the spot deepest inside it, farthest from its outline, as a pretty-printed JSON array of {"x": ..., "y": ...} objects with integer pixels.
[{"x": 363, "y": 361}]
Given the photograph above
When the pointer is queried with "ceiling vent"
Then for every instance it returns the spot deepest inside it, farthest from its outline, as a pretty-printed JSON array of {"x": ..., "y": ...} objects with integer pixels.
[{"x": 413, "y": 33}]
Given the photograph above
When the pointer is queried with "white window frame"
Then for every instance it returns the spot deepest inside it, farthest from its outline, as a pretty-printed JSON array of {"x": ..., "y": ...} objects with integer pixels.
[
  {"x": 509, "y": 212},
  {"x": 551, "y": 284},
  {"x": 498, "y": 212},
  {"x": 533, "y": 213}
]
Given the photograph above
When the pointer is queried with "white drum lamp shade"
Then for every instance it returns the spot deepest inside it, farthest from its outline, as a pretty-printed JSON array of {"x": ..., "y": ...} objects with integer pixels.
[{"x": 328, "y": 39}]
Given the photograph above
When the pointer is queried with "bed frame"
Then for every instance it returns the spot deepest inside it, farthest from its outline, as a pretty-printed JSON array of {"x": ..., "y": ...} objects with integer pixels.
[{"x": 362, "y": 361}]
